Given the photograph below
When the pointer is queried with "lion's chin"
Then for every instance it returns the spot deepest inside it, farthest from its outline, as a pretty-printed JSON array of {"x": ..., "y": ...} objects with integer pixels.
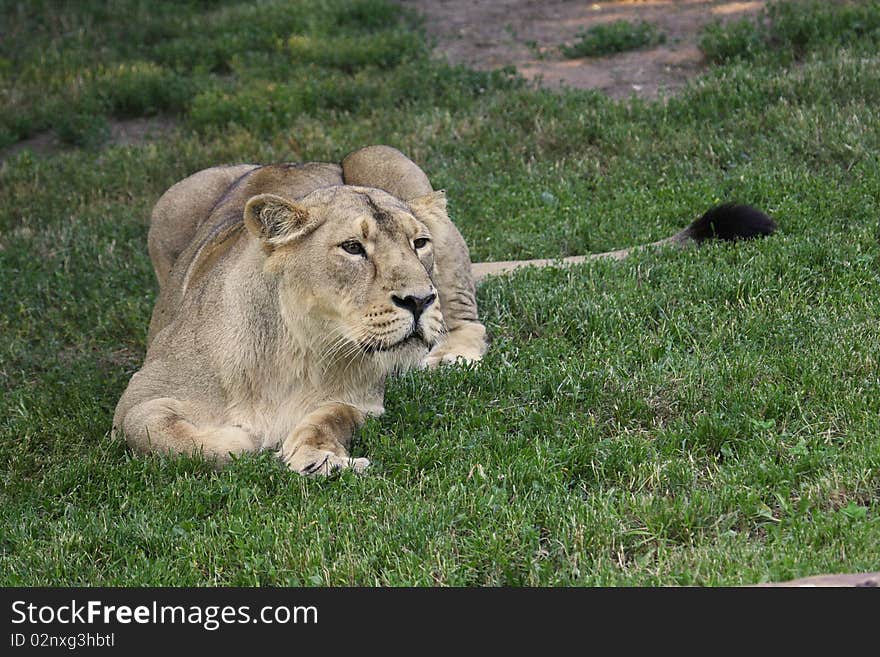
[
  {"x": 414, "y": 341},
  {"x": 406, "y": 354}
]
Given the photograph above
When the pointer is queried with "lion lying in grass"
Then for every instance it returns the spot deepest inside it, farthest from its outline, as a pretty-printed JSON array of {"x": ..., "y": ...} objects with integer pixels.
[{"x": 288, "y": 293}]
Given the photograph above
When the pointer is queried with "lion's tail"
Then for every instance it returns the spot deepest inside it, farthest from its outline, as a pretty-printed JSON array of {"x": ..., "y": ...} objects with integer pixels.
[{"x": 729, "y": 222}]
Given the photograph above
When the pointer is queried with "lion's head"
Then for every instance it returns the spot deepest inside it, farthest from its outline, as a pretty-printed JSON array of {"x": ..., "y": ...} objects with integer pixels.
[{"x": 353, "y": 268}]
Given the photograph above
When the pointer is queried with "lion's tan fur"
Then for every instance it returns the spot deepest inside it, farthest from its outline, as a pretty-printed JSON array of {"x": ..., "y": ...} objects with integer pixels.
[{"x": 267, "y": 334}]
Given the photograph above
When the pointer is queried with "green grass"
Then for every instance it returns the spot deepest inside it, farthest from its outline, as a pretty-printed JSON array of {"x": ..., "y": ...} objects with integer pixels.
[
  {"x": 610, "y": 38},
  {"x": 788, "y": 30},
  {"x": 703, "y": 417}
]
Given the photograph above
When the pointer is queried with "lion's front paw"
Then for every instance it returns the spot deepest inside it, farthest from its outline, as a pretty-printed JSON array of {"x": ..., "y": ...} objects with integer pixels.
[
  {"x": 323, "y": 462},
  {"x": 443, "y": 357},
  {"x": 464, "y": 344}
]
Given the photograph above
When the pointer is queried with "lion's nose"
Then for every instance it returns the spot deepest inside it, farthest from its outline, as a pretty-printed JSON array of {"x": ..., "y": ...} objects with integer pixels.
[{"x": 415, "y": 304}]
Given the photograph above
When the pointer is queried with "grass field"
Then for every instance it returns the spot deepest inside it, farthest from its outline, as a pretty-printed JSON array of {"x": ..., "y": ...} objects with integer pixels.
[{"x": 703, "y": 417}]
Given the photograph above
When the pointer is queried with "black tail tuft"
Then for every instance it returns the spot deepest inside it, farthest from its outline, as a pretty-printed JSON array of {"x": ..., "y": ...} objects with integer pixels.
[{"x": 731, "y": 222}]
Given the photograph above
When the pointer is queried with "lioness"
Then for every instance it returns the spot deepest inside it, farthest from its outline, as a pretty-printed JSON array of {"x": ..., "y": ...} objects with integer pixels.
[{"x": 288, "y": 293}]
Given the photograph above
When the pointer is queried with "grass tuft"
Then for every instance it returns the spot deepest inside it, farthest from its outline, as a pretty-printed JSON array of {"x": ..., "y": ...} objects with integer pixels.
[{"x": 611, "y": 38}]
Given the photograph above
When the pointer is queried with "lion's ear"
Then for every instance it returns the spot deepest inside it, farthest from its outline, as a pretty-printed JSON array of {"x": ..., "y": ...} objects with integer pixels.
[
  {"x": 429, "y": 205},
  {"x": 275, "y": 220}
]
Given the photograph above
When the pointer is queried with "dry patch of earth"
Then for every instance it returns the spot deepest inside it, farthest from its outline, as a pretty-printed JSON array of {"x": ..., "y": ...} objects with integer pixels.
[
  {"x": 488, "y": 34},
  {"x": 128, "y": 132}
]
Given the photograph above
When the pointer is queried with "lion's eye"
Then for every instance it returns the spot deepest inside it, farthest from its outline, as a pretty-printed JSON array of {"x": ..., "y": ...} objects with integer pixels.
[
  {"x": 420, "y": 243},
  {"x": 353, "y": 247}
]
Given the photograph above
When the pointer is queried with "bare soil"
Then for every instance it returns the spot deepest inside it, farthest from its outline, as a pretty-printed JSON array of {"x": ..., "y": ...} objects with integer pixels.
[
  {"x": 860, "y": 580},
  {"x": 489, "y": 34},
  {"x": 128, "y": 132}
]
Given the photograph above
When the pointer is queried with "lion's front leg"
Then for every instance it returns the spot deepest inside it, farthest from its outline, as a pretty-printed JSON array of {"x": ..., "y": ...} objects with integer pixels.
[{"x": 319, "y": 444}]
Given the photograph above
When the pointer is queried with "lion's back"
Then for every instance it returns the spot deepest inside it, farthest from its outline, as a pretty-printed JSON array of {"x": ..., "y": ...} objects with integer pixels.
[{"x": 180, "y": 211}]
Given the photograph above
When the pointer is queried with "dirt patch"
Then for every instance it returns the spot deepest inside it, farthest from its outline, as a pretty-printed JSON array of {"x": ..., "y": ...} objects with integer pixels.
[
  {"x": 129, "y": 132},
  {"x": 135, "y": 132},
  {"x": 861, "y": 580},
  {"x": 44, "y": 143},
  {"x": 488, "y": 34}
]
